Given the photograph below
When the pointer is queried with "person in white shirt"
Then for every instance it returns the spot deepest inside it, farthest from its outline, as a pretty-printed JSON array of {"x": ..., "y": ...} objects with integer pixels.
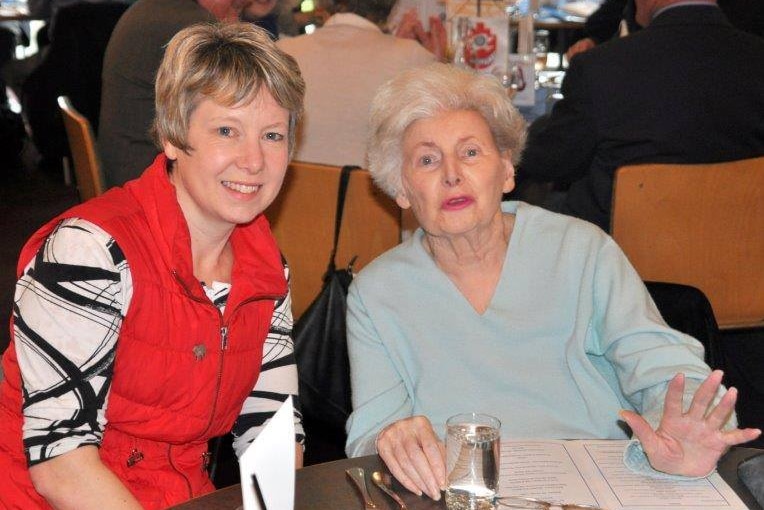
[{"x": 343, "y": 63}]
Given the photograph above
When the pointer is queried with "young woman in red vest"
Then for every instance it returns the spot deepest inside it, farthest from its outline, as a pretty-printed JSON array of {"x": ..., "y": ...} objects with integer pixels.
[{"x": 158, "y": 316}]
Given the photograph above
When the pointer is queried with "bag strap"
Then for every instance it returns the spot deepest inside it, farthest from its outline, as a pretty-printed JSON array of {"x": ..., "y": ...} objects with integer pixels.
[{"x": 341, "y": 192}]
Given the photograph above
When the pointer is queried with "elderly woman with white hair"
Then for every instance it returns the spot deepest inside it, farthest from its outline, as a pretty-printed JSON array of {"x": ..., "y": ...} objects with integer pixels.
[{"x": 508, "y": 309}]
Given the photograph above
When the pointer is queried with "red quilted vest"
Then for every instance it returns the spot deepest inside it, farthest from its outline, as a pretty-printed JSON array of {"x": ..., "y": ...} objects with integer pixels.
[{"x": 166, "y": 401}]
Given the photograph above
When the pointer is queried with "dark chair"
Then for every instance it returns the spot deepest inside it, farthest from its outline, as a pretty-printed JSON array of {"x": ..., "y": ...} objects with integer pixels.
[
  {"x": 740, "y": 354},
  {"x": 688, "y": 310}
]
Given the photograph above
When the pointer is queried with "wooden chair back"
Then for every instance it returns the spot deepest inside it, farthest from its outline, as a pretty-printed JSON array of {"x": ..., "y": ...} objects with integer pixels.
[
  {"x": 302, "y": 219},
  {"x": 699, "y": 225},
  {"x": 87, "y": 169}
]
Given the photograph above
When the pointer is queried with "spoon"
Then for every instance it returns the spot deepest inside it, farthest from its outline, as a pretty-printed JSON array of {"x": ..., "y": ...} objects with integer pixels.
[
  {"x": 358, "y": 476},
  {"x": 382, "y": 480}
]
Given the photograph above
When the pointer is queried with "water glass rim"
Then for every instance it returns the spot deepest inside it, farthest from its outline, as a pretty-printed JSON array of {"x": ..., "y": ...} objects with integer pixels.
[
  {"x": 537, "y": 504},
  {"x": 474, "y": 417}
]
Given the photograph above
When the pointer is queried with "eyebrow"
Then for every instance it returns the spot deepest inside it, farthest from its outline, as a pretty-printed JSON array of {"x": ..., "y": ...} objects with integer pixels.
[
  {"x": 277, "y": 125},
  {"x": 431, "y": 144},
  {"x": 237, "y": 120}
]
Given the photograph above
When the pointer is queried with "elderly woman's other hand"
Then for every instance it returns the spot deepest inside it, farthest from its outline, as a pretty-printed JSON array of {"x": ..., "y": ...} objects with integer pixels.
[
  {"x": 690, "y": 443},
  {"x": 415, "y": 455}
]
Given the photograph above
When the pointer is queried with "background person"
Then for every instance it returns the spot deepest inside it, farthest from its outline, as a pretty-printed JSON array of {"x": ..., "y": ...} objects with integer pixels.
[
  {"x": 602, "y": 25},
  {"x": 632, "y": 101},
  {"x": 157, "y": 316},
  {"x": 263, "y": 14},
  {"x": 343, "y": 63},
  {"x": 409, "y": 22},
  {"x": 507, "y": 309},
  {"x": 130, "y": 65}
]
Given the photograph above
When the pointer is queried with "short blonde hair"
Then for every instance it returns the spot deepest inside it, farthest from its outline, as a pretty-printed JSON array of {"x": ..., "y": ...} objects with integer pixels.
[
  {"x": 424, "y": 92},
  {"x": 229, "y": 63}
]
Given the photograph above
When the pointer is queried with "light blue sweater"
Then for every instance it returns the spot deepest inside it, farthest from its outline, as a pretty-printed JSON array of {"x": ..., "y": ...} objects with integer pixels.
[{"x": 570, "y": 337}]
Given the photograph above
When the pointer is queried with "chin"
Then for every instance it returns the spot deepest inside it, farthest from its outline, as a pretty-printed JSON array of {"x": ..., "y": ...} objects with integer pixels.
[{"x": 242, "y": 217}]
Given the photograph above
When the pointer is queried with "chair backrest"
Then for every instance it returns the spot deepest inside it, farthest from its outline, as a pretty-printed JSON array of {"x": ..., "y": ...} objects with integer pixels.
[
  {"x": 700, "y": 225},
  {"x": 302, "y": 219},
  {"x": 82, "y": 146}
]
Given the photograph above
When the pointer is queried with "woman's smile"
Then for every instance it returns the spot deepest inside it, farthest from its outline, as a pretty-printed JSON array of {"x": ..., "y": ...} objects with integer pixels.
[{"x": 240, "y": 188}]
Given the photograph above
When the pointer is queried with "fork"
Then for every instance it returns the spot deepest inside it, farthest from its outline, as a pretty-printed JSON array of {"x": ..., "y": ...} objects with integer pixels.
[{"x": 382, "y": 480}]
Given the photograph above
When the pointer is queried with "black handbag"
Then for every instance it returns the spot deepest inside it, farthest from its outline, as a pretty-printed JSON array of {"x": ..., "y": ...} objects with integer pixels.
[{"x": 321, "y": 348}]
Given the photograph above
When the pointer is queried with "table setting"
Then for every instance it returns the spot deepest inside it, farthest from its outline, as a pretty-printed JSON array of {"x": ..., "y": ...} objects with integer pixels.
[{"x": 484, "y": 471}]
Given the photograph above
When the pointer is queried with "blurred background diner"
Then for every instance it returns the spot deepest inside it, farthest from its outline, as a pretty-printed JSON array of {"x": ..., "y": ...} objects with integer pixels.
[
  {"x": 343, "y": 63},
  {"x": 647, "y": 98},
  {"x": 129, "y": 68},
  {"x": 263, "y": 13},
  {"x": 606, "y": 22}
]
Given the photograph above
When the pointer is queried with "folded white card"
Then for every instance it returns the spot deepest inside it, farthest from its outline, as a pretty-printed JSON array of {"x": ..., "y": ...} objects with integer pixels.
[{"x": 270, "y": 458}]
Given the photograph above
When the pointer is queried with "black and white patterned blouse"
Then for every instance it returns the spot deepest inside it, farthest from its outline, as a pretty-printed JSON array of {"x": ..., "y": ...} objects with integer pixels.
[{"x": 68, "y": 309}]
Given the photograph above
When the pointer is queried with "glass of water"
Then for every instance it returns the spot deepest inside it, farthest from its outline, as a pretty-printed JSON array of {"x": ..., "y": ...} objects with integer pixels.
[{"x": 472, "y": 461}]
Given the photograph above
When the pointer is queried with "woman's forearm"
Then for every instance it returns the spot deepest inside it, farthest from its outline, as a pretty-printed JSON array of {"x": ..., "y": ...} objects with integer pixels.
[{"x": 78, "y": 480}]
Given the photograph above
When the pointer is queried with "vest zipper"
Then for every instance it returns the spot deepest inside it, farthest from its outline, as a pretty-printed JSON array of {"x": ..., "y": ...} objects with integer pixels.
[
  {"x": 223, "y": 336},
  {"x": 224, "y": 347}
]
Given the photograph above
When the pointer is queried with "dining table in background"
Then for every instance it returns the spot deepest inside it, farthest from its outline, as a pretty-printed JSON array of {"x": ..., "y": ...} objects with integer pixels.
[{"x": 326, "y": 487}]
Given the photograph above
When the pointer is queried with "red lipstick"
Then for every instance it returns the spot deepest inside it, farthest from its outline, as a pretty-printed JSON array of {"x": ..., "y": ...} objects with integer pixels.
[{"x": 457, "y": 203}]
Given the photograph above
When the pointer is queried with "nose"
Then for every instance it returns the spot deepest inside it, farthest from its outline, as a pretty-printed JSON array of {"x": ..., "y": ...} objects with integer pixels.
[
  {"x": 250, "y": 157},
  {"x": 452, "y": 173}
]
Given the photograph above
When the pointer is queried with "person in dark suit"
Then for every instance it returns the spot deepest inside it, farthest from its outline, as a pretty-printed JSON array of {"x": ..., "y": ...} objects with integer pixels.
[
  {"x": 686, "y": 89},
  {"x": 603, "y": 24}
]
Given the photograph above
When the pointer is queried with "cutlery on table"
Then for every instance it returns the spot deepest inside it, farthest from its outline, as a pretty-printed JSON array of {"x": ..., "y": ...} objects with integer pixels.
[
  {"x": 383, "y": 481},
  {"x": 358, "y": 475}
]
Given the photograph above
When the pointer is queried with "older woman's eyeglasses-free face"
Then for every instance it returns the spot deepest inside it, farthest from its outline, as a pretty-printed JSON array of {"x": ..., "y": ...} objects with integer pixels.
[
  {"x": 236, "y": 165},
  {"x": 453, "y": 174}
]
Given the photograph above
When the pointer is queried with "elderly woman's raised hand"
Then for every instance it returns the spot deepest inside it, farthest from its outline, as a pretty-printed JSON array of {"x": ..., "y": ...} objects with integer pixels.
[
  {"x": 415, "y": 455},
  {"x": 690, "y": 443}
]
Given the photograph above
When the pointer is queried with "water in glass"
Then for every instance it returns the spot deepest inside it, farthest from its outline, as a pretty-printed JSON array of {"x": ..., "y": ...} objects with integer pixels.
[{"x": 473, "y": 465}]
